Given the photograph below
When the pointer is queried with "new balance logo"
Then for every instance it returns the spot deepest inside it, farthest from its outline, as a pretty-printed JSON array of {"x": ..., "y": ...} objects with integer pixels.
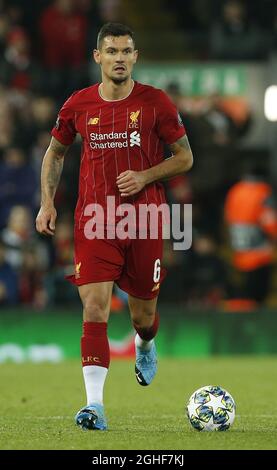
[
  {"x": 134, "y": 139},
  {"x": 156, "y": 287},
  {"x": 93, "y": 121}
]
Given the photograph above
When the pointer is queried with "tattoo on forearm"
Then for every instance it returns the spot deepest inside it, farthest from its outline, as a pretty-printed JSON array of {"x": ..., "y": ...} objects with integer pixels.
[
  {"x": 51, "y": 169},
  {"x": 53, "y": 176},
  {"x": 181, "y": 143},
  {"x": 58, "y": 148}
]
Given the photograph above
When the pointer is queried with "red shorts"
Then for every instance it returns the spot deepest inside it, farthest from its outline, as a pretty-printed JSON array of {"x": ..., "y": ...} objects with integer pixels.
[{"x": 135, "y": 265}]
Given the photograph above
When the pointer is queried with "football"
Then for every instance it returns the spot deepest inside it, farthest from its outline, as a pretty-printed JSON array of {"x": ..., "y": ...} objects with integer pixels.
[{"x": 211, "y": 408}]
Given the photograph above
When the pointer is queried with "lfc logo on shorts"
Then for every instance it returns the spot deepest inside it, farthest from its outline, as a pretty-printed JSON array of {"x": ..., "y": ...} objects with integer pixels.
[
  {"x": 77, "y": 271},
  {"x": 134, "y": 115}
]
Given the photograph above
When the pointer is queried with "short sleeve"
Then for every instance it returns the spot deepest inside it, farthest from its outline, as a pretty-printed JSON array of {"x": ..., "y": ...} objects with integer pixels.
[
  {"x": 64, "y": 130},
  {"x": 170, "y": 127}
]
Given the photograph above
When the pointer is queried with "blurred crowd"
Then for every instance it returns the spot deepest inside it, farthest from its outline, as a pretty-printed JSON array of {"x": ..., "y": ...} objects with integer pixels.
[
  {"x": 231, "y": 262},
  {"x": 228, "y": 29},
  {"x": 45, "y": 49}
]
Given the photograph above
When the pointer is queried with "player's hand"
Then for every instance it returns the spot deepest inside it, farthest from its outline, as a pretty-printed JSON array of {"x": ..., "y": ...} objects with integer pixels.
[
  {"x": 46, "y": 219},
  {"x": 130, "y": 182}
]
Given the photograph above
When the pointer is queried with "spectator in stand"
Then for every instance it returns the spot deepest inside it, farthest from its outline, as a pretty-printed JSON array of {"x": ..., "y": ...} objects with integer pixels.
[
  {"x": 40, "y": 119},
  {"x": 216, "y": 152},
  {"x": 15, "y": 12},
  {"x": 235, "y": 36},
  {"x": 206, "y": 273},
  {"x": 174, "y": 92},
  {"x": 111, "y": 11},
  {"x": 26, "y": 13},
  {"x": 27, "y": 256},
  {"x": 63, "y": 243},
  {"x": 18, "y": 235},
  {"x": 90, "y": 9},
  {"x": 33, "y": 115},
  {"x": 18, "y": 183},
  {"x": 59, "y": 290},
  {"x": 251, "y": 217},
  {"x": 179, "y": 188},
  {"x": 18, "y": 69},
  {"x": 40, "y": 145},
  {"x": 4, "y": 29},
  {"x": 174, "y": 262},
  {"x": 7, "y": 124},
  {"x": 8, "y": 280},
  {"x": 63, "y": 32},
  {"x": 32, "y": 290},
  {"x": 43, "y": 112}
]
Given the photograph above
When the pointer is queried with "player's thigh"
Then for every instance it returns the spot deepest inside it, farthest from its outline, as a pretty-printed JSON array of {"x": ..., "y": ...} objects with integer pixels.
[
  {"x": 143, "y": 272},
  {"x": 96, "y": 260},
  {"x": 96, "y": 300}
]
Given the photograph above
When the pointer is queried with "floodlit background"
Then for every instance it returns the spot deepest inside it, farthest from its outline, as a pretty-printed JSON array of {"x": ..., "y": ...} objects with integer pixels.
[{"x": 218, "y": 62}]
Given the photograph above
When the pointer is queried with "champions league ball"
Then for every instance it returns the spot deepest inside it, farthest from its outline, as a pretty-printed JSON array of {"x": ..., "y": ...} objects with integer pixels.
[{"x": 211, "y": 408}]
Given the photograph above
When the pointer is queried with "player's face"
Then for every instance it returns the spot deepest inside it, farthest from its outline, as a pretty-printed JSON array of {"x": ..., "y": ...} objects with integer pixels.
[{"x": 116, "y": 57}]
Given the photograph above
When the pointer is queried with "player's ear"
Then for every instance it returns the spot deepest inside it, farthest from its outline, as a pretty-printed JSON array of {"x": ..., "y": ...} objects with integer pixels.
[
  {"x": 135, "y": 56},
  {"x": 96, "y": 56}
]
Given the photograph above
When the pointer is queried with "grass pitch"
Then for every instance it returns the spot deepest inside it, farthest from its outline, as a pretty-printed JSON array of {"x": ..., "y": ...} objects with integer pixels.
[{"x": 38, "y": 404}]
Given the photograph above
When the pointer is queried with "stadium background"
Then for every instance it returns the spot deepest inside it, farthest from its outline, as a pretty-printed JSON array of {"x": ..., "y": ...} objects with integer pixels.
[
  {"x": 216, "y": 59},
  {"x": 218, "y": 85}
]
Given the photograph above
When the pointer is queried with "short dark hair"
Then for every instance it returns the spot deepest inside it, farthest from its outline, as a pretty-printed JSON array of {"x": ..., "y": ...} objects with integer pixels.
[{"x": 114, "y": 29}]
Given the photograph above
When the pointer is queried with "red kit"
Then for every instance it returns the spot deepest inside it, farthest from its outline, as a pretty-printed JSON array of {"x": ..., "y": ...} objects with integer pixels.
[{"x": 126, "y": 134}]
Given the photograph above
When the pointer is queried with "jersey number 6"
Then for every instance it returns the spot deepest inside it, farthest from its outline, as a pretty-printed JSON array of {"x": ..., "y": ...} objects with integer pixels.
[{"x": 157, "y": 270}]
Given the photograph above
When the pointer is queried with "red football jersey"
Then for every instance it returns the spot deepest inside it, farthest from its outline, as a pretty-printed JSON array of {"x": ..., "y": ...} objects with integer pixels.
[{"x": 120, "y": 135}]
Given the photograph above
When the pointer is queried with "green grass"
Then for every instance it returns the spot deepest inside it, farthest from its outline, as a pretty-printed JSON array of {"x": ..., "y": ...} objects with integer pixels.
[{"x": 38, "y": 403}]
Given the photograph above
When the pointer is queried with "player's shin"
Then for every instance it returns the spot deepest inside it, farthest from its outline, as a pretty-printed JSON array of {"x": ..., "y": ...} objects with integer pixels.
[
  {"x": 145, "y": 336},
  {"x": 146, "y": 355}
]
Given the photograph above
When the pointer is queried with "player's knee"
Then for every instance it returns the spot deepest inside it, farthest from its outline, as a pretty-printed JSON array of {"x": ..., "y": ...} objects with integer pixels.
[{"x": 95, "y": 311}]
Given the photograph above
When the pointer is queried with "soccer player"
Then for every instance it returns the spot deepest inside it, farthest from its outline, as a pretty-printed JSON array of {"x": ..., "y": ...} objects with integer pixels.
[{"x": 123, "y": 125}]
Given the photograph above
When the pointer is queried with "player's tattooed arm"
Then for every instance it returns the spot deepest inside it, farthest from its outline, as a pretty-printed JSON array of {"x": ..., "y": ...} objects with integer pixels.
[
  {"x": 52, "y": 166},
  {"x": 131, "y": 182},
  {"x": 51, "y": 170},
  {"x": 58, "y": 148},
  {"x": 180, "y": 162},
  {"x": 182, "y": 145}
]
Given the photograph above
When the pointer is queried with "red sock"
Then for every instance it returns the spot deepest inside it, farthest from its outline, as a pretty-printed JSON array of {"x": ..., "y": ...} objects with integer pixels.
[
  {"x": 95, "y": 347},
  {"x": 148, "y": 333}
]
